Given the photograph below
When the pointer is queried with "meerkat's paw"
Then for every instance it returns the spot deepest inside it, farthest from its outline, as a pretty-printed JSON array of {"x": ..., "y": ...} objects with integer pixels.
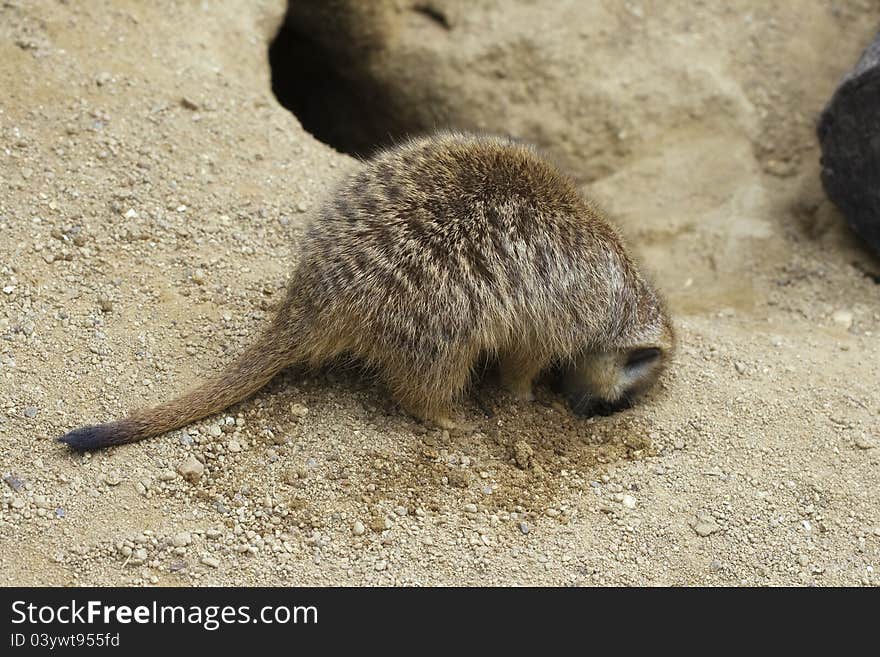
[
  {"x": 517, "y": 375},
  {"x": 446, "y": 422},
  {"x": 443, "y": 422},
  {"x": 519, "y": 389},
  {"x": 522, "y": 393},
  {"x": 439, "y": 418}
]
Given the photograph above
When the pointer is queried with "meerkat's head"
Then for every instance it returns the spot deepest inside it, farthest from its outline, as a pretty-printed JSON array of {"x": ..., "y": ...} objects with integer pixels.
[{"x": 607, "y": 380}]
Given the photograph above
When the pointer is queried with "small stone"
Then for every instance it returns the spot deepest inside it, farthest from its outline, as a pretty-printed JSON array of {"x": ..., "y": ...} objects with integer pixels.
[
  {"x": 105, "y": 304},
  {"x": 189, "y": 104},
  {"x": 30, "y": 411},
  {"x": 198, "y": 277},
  {"x": 470, "y": 508},
  {"x": 131, "y": 213},
  {"x": 301, "y": 207},
  {"x": 628, "y": 501},
  {"x": 381, "y": 565},
  {"x": 780, "y": 168},
  {"x": 704, "y": 525},
  {"x": 843, "y": 317},
  {"x": 863, "y": 441},
  {"x": 181, "y": 539},
  {"x": 15, "y": 482},
  {"x": 210, "y": 561},
  {"x": 524, "y": 527},
  {"x": 214, "y": 431},
  {"x": 276, "y": 438},
  {"x": 112, "y": 478},
  {"x": 233, "y": 446},
  {"x": 167, "y": 475},
  {"x": 358, "y": 528},
  {"x": 298, "y": 410},
  {"x": 138, "y": 557},
  {"x": 740, "y": 367},
  {"x": 458, "y": 478},
  {"x": 191, "y": 468},
  {"x": 705, "y": 528},
  {"x": 523, "y": 454}
]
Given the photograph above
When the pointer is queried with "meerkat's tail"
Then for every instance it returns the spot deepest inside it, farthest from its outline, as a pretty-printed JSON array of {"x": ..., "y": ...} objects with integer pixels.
[{"x": 253, "y": 369}]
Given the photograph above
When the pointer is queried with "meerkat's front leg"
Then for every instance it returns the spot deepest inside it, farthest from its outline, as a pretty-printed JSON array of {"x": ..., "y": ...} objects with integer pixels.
[{"x": 518, "y": 371}]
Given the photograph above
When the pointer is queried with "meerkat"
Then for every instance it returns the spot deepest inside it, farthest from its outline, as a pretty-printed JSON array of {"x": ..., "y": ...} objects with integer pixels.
[{"x": 431, "y": 255}]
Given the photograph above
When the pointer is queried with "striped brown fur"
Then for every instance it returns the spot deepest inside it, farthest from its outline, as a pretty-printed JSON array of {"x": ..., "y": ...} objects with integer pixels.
[{"x": 433, "y": 253}]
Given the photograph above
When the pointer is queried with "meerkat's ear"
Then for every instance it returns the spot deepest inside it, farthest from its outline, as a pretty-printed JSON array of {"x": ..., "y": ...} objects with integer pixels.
[{"x": 642, "y": 357}]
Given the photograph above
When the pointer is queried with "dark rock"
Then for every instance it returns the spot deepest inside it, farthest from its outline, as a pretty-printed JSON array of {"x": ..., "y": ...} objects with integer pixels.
[{"x": 849, "y": 132}]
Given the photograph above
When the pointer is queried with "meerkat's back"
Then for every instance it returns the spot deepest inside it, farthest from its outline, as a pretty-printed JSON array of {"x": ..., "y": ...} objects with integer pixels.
[{"x": 456, "y": 238}]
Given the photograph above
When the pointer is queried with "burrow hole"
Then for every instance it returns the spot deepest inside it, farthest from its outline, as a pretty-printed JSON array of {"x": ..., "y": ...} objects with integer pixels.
[{"x": 335, "y": 100}]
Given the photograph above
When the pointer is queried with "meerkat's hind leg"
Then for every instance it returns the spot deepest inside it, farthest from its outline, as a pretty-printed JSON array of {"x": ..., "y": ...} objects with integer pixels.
[
  {"x": 517, "y": 370},
  {"x": 431, "y": 411},
  {"x": 441, "y": 418},
  {"x": 430, "y": 395}
]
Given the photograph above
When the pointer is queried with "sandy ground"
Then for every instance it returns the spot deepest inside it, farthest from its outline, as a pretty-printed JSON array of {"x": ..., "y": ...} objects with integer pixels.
[{"x": 152, "y": 194}]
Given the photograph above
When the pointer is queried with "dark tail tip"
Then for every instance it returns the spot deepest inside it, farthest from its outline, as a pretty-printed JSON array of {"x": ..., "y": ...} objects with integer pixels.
[{"x": 86, "y": 439}]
